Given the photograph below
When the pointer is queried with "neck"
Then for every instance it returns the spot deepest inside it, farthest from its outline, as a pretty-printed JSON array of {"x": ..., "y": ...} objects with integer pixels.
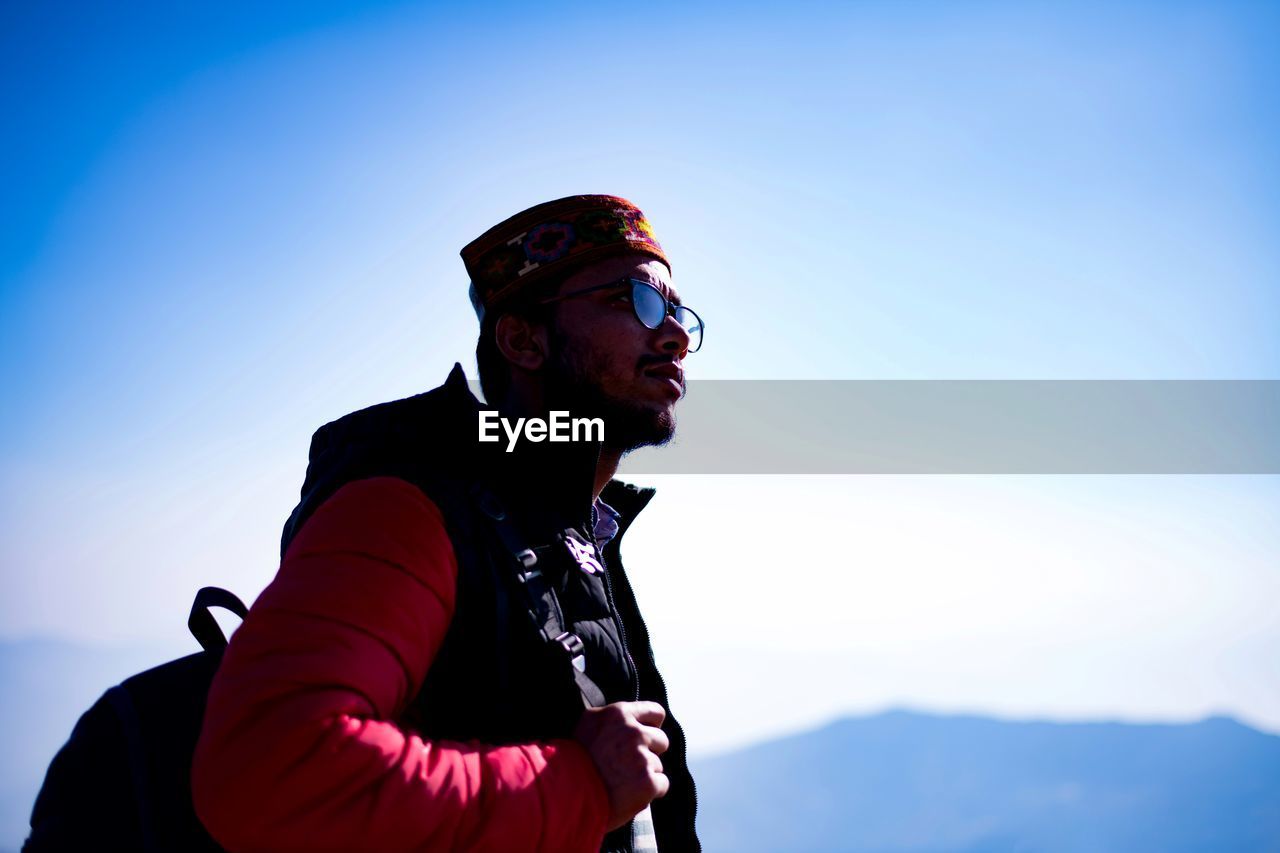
[{"x": 606, "y": 468}]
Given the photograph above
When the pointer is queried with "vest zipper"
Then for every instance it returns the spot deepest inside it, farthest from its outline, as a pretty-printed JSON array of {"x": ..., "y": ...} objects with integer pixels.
[
  {"x": 684, "y": 750},
  {"x": 613, "y": 608},
  {"x": 622, "y": 631}
]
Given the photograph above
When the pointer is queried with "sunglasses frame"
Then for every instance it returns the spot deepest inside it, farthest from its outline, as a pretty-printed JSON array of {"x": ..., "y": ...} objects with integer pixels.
[{"x": 669, "y": 307}]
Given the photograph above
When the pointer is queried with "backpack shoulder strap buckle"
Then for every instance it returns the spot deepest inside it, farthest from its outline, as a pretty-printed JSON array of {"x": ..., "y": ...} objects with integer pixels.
[{"x": 541, "y": 602}]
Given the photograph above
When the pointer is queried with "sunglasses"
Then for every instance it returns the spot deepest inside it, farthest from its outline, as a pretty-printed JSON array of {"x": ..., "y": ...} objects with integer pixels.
[{"x": 651, "y": 307}]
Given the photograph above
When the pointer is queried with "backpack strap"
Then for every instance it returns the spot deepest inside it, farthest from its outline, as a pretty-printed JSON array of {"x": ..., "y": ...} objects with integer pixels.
[
  {"x": 540, "y": 599},
  {"x": 201, "y": 622}
]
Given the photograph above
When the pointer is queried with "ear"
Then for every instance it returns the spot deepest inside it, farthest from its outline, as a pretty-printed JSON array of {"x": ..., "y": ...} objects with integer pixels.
[{"x": 521, "y": 341}]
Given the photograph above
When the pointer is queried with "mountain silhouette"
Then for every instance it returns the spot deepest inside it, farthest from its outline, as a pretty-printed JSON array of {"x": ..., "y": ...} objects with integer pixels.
[{"x": 903, "y": 780}]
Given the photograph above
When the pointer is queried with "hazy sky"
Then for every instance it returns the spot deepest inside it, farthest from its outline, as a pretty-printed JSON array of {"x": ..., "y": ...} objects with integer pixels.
[{"x": 228, "y": 224}]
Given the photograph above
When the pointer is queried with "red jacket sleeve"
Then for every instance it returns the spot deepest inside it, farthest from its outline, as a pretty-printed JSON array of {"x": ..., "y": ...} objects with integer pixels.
[{"x": 299, "y": 749}]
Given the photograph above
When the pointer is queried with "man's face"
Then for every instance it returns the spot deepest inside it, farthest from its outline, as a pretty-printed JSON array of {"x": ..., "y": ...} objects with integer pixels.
[{"x": 605, "y": 363}]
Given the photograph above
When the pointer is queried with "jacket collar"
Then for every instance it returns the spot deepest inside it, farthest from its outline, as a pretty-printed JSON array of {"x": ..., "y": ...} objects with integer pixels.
[{"x": 628, "y": 500}]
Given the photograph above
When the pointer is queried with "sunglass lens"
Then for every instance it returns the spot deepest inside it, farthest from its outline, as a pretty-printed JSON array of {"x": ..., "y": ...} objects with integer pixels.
[
  {"x": 650, "y": 307},
  {"x": 692, "y": 324}
]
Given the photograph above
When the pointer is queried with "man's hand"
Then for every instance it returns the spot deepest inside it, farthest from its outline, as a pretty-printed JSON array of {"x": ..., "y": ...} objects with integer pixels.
[{"x": 625, "y": 740}]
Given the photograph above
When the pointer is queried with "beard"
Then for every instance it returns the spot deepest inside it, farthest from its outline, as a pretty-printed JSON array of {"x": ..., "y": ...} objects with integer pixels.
[{"x": 573, "y": 384}]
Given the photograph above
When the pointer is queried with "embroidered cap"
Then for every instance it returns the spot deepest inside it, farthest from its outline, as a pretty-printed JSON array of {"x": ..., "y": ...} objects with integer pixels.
[{"x": 550, "y": 240}]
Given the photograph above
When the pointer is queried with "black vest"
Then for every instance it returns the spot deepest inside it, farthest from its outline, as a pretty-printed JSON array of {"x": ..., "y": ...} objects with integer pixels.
[{"x": 495, "y": 680}]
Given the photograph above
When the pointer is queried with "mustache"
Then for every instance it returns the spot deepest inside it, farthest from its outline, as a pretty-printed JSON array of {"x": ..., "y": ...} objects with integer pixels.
[
  {"x": 647, "y": 361},
  {"x": 652, "y": 360}
]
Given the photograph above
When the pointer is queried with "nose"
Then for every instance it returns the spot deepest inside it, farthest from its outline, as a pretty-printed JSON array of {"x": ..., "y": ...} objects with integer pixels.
[{"x": 672, "y": 337}]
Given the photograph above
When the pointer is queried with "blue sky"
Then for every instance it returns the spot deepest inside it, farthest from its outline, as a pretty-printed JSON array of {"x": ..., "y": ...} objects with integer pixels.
[{"x": 230, "y": 223}]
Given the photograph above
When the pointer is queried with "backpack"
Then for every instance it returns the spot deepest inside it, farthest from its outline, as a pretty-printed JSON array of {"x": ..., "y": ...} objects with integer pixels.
[{"x": 123, "y": 779}]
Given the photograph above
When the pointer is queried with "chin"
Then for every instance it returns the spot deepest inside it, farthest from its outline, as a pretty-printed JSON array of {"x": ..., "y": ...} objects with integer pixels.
[{"x": 640, "y": 427}]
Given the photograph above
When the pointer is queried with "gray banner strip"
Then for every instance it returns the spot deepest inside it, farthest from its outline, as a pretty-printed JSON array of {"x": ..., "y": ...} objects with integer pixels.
[{"x": 972, "y": 427}]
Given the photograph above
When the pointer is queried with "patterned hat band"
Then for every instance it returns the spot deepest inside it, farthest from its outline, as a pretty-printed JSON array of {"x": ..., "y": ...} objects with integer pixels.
[{"x": 553, "y": 239}]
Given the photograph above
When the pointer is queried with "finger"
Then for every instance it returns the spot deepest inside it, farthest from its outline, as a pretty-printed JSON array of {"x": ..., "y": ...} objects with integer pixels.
[
  {"x": 661, "y": 784},
  {"x": 656, "y": 740},
  {"x": 650, "y": 713}
]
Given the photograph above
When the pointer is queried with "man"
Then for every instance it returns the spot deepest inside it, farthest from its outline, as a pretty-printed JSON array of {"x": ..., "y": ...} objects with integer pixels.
[{"x": 451, "y": 656}]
